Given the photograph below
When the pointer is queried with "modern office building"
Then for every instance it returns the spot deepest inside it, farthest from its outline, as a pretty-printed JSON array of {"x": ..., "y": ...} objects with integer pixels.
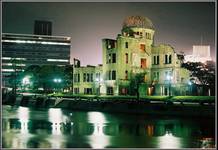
[
  {"x": 201, "y": 53},
  {"x": 20, "y": 51},
  {"x": 134, "y": 53}
]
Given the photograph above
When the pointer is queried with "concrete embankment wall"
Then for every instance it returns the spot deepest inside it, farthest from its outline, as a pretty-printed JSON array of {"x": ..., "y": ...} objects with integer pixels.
[
  {"x": 141, "y": 108},
  {"x": 137, "y": 107}
]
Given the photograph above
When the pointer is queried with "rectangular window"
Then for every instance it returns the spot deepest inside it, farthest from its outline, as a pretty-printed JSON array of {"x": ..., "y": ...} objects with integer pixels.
[
  {"x": 113, "y": 58},
  {"x": 84, "y": 77},
  {"x": 154, "y": 60},
  {"x": 76, "y": 90},
  {"x": 158, "y": 60},
  {"x": 113, "y": 75},
  {"x": 88, "y": 77},
  {"x": 126, "y": 58},
  {"x": 87, "y": 90},
  {"x": 109, "y": 75},
  {"x": 124, "y": 91},
  {"x": 126, "y": 45},
  {"x": 110, "y": 91},
  {"x": 170, "y": 59},
  {"x": 91, "y": 77},
  {"x": 126, "y": 75},
  {"x": 142, "y": 47},
  {"x": 143, "y": 63},
  {"x": 166, "y": 59},
  {"x": 109, "y": 58},
  {"x": 110, "y": 44}
]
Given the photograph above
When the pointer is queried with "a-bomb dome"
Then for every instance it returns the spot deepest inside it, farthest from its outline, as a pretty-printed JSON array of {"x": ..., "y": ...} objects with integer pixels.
[{"x": 138, "y": 21}]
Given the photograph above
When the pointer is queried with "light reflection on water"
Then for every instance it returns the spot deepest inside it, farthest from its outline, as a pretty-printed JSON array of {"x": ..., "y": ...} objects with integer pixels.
[{"x": 56, "y": 128}]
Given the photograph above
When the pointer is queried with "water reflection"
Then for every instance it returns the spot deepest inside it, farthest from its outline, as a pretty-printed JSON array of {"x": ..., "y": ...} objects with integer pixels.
[
  {"x": 98, "y": 139},
  {"x": 56, "y": 128},
  {"x": 23, "y": 115},
  {"x": 169, "y": 141}
]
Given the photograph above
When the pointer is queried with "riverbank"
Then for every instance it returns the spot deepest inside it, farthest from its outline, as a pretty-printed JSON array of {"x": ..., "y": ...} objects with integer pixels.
[{"x": 166, "y": 106}]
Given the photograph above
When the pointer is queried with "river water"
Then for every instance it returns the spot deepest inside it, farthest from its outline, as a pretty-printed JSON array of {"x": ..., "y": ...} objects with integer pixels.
[{"x": 58, "y": 128}]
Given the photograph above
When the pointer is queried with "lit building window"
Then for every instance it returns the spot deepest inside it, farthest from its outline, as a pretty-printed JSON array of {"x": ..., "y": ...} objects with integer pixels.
[
  {"x": 35, "y": 42},
  {"x": 59, "y": 60},
  {"x": 109, "y": 58},
  {"x": 142, "y": 47},
  {"x": 124, "y": 91},
  {"x": 143, "y": 63}
]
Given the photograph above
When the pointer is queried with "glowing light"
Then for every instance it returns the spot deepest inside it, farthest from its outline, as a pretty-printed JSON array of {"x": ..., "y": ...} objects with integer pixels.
[
  {"x": 99, "y": 142},
  {"x": 26, "y": 80},
  {"x": 23, "y": 115},
  {"x": 35, "y": 42},
  {"x": 169, "y": 141},
  {"x": 6, "y": 58},
  {"x": 57, "y": 80},
  {"x": 96, "y": 117},
  {"x": 59, "y": 60},
  {"x": 8, "y": 70},
  {"x": 56, "y": 118},
  {"x": 190, "y": 83}
]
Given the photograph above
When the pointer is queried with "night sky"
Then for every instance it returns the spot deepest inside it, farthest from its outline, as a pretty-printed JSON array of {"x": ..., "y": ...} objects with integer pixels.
[{"x": 178, "y": 24}]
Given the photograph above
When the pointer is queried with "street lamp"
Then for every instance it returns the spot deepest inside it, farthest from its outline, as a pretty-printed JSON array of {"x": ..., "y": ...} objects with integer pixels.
[
  {"x": 190, "y": 84},
  {"x": 57, "y": 80},
  {"x": 26, "y": 81}
]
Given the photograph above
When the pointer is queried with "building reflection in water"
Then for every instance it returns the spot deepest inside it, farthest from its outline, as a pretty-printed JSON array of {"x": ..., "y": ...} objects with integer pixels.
[
  {"x": 98, "y": 130},
  {"x": 98, "y": 139},
  {"x": 23, "y": 116},
  {"x": 57, "y": 119},
  {"x": 169, "y": 141}
]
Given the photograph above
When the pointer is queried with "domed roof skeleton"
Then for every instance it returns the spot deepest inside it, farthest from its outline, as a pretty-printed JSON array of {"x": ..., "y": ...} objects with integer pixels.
[{"x": 137, "y": 21}]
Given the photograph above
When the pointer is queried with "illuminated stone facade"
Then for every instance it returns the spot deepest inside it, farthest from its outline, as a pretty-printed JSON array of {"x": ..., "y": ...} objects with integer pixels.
[{"x": 133, "y": 52}]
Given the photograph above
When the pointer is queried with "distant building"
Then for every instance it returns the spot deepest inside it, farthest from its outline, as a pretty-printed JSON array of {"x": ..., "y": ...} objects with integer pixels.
[
  {"x": 20, "y": 51},
  {"x": 201, "y": 53},
  {"x": 42, "y": 27},
  {"x": 133, "y": 52},
  {"x": 87, "y": 80}
]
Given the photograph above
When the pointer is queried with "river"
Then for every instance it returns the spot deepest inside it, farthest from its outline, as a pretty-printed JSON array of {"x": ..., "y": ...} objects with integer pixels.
[{"x": 25, "y": 127}]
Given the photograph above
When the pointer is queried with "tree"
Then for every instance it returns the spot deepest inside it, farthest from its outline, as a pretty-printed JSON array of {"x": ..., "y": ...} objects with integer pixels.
[
  {"x": 203, "y": 74},
  {"x": 46, "y": 75},
  {"x": 135, "y": 82}
]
